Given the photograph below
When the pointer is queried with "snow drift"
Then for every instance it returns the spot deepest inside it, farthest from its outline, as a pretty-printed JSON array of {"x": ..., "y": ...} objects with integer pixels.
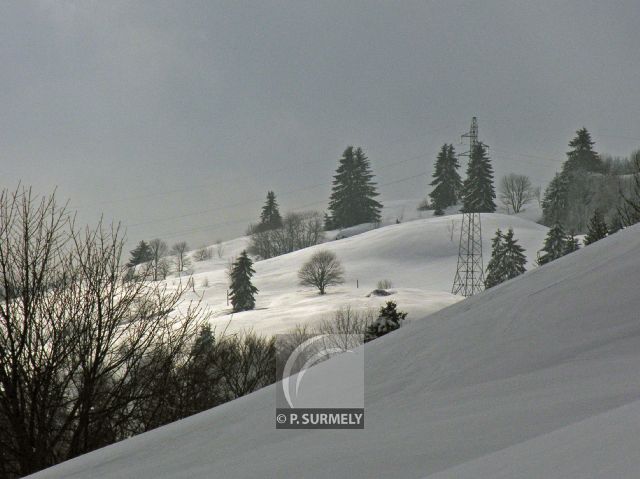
[
  {"x": 419, "y": 257},
  {"x": 538, "y": 377}
]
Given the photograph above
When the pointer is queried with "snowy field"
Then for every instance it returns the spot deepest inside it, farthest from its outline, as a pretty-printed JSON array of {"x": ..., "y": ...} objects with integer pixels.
[
  {"x": 419, "y": 257},
  {"x": 536, "y": 378}
]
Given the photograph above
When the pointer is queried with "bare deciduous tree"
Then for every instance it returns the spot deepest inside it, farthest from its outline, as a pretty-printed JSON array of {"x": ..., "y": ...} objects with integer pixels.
[
  {"x": 159, "y": 250},
  {"x": 81, "y": 351},
  {"x": 322, "y": 270},
  {"x": 515, "y": 192},
  {"x": 250, "y": 364},
  {"x": 298, "y": 230},
  {"x": 179, "y": 251},
  {"x": 219, "y": 248}
]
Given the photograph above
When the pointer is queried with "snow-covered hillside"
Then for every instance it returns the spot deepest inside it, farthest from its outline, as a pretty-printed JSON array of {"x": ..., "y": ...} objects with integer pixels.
[
  {"x": 419, "y": 257},
  {"x": 536, "y": 378}
]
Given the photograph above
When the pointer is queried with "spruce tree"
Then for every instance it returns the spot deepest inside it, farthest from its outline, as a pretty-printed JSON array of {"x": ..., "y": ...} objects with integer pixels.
[
  {"x": 554, "y": 203},
  {"x": 554, "y": 245},
  {"x": 514, "y": 259},
  {"x": 478, "y": 192},
  {"x": 447, "y": 181},
  {"x": 597, "y": 228},
  {"x": 495, "y": 267},
  {"x": 388, "y": 320},
  {"x": 140, "y": 254},
  {"x": 582, "y": 156},
  {"x": 571, "y": 243},
  {"x": 352, "y": 198},
  {"x": 242, "y": 291},
  {"x": 270, "y": 216},
  {"x": 507, "y": 259}
]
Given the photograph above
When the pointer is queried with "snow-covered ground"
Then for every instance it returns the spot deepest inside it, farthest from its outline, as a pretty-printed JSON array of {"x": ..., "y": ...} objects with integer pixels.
[
  {"x": 419, "y": 257},
  {"x": 536, "y": 378}
]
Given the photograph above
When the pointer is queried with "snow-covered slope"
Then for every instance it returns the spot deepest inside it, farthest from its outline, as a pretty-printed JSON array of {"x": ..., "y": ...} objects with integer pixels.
[
  {"x": 419, "y": 257},
  {"x": 537, "y": 378}
]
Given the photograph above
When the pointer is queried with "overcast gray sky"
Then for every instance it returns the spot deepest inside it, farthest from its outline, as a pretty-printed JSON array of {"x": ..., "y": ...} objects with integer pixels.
[{"x": 176, "y": 117}]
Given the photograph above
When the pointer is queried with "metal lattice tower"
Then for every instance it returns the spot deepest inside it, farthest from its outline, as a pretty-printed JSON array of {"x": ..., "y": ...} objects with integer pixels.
[{"x": 469, "y": 278}]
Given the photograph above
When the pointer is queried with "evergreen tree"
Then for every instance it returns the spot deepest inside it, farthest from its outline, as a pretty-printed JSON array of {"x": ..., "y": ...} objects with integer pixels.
[
  {"x": 554, "y": 245},
  {"x": 495, "y": 267},
  {"x": 507, "y": 259},
  {"x": 478, "y": 191},
  {"x": 447, "y": 181},
  {"x": 140, "y": 254},
  {"x": 554, "y": 203},
  {"x": 571, "y": 243},
  {"x": 388, "y": 320},
  {"x": 242, "y": 291},
  {"x": 514, "y": 259},
  {"x": 352, "y": 198},
  {"x": 328, "y": 224},
  {"x": 597, "y": 228},
  {"x": 270, "y": 217},
  {"x": 582, "y": 156}
]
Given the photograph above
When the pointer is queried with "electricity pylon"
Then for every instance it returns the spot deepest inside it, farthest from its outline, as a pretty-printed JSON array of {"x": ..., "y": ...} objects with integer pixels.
[{"x": 469, "y": 278}]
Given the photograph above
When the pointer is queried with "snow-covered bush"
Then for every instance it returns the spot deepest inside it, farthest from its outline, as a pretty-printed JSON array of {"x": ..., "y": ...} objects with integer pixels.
[{"x": 388, "y": 320}]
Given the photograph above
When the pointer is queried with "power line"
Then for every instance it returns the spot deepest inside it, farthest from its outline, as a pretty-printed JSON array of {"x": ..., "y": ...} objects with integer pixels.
[
  {"x": 216, "y": 226},
  {"x": 248, "y": 202}
]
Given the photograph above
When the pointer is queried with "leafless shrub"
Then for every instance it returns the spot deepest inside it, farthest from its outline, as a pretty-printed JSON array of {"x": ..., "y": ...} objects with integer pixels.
[
  {"x": 298, "y": 230},
  {"x": 81, "y": 352},
  {"x": 249, "y": 364},
  {"x": 203, "y": 254},
  {"x": 384, "y": 284}
]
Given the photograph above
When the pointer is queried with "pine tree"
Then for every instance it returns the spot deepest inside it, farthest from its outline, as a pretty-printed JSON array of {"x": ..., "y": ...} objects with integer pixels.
[
  {"x": 597, "y": 228},
  {"x": 582, "y": 156},
  {"x": 140, "y": 254},
  {"x": 495, "y": 267},
  {"x": 388, "y": 320},
  {"x": 571, "y": 243},
  {"x": 242, "y": 291},
  {"x": 447, "y": 182},
  {"x": 352, "y": 198},
  {"x": 270, "y": 217},
  {"x": 478, "y": 190},
  {"x": 514, "y": 259},
  {"x": 554, "y": 245}
]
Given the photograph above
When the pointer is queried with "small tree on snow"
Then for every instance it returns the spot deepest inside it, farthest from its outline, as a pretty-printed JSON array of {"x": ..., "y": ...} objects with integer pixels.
[
  {"x": 388, "y": 320},
  {"x": 322, "y": 270},
  {"x": 242, "y": 291},
  {"x": 597, "y": 228},
  {"x": 494, "y": 268},
  {"x": 179, "y": 250},
  {"x": 270, "y": 216},
  {"x": 507, "y": 259},
  {"x": 515, "y": 192},
  {"x": 140, "y": 254},
  {"x": 571, "y": 243},
  {"x": 554, "y": 245}
]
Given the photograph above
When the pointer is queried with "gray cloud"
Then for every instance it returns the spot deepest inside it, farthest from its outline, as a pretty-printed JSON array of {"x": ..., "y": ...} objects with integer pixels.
[{"x": 216, "y": 102}]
